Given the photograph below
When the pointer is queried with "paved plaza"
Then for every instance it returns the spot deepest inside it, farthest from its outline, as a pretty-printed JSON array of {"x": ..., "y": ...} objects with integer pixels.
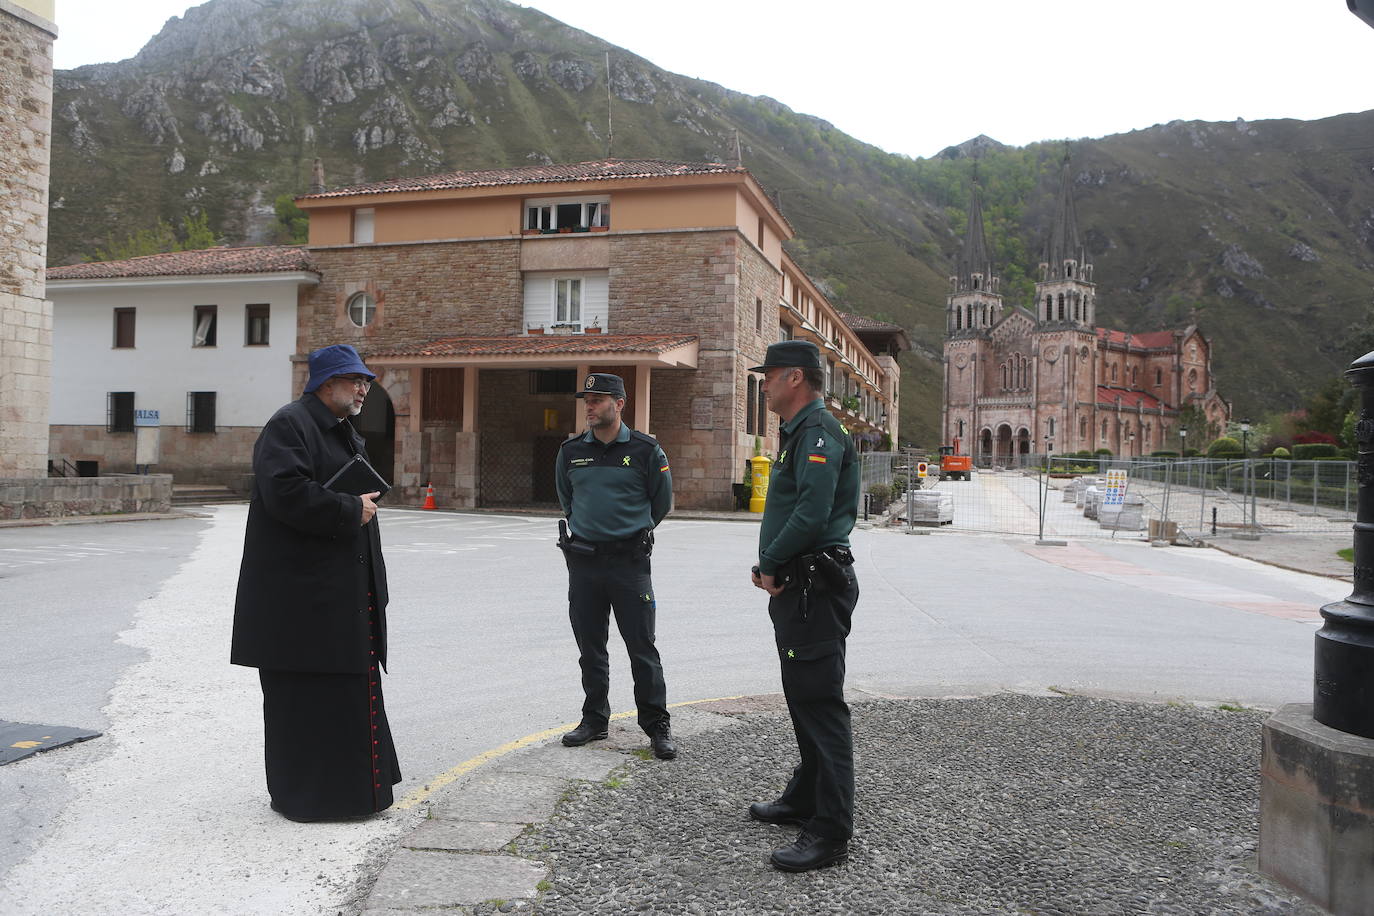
[{"x": 124, "y": 630}]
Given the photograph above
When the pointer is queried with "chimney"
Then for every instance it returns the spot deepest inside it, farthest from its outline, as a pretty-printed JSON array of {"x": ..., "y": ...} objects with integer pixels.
[{"x": 317, "y": 177}]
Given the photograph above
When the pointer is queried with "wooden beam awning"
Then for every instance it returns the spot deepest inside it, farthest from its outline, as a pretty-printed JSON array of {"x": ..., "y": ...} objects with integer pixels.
[{"x": 664, "y": 351}]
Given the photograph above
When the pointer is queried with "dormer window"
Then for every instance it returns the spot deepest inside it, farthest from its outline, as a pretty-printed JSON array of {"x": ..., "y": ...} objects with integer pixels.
[{"x": 565, "y": 215}]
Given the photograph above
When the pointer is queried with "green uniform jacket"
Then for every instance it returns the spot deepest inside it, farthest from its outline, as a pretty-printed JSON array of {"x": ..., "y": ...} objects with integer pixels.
[
  {"x": 813, "y": 493},
  {"x": 614, "y": 491}
]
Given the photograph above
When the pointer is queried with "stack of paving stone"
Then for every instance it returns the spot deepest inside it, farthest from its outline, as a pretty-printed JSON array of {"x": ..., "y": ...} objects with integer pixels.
[
  {"x": 1080, "y": 494},
  {"x": 931, "y": 507},
  {"x": 1074, "y": 488},
  {"x": 1130, "y": 516},
  {"x": 1092, "y": 499}
]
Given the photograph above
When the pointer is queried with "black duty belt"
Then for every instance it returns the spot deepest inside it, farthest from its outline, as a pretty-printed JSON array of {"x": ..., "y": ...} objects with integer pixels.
[{"x": 641, "y": 543}]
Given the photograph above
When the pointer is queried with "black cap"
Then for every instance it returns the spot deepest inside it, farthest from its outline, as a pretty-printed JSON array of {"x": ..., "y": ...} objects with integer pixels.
[
  {"x": 799, "y": 354},
  {"x": 602, "y": 383}
]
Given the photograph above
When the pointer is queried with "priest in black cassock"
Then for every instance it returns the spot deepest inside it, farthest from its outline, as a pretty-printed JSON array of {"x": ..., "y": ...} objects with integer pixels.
[{"x": 311, "y": 608}]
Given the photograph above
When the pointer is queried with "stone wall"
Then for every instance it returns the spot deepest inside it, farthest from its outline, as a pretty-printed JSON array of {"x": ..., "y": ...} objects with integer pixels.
[
  {"x": 204, "y": 458},
  {"x": 703, "y": 283},
  {"x": 55, "y": 497},
  {"x": 25, "y": 316}
]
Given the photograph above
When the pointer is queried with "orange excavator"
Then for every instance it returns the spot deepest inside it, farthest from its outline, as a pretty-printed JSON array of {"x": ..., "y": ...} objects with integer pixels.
[{"x": 954, "y": 466}]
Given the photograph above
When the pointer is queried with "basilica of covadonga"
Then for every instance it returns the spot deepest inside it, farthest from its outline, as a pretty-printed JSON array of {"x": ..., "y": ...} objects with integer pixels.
[{"x": 1019, "y": 382}]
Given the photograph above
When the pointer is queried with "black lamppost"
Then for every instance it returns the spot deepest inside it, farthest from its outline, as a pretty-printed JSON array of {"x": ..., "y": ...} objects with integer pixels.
[
  {"x": 1183, "y": 442},
  {"x": 1343, "y": 693},
  {"x": 1245, "y": 438}
]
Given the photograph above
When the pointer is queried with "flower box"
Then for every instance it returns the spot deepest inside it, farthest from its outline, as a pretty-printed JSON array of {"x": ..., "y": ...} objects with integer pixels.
[
  {"x": 538, "y": 330},
  {"x": 591, "y": 330}
]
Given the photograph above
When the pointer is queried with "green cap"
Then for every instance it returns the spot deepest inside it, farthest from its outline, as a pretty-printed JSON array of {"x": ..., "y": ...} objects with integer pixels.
[{"x": 799, "y": 354}]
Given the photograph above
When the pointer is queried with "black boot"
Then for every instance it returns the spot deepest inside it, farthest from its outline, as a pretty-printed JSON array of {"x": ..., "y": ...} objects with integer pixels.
[
  {"x": 775, "y": 813},
  {"x": 661, "y": 739},
  {"x": 586, "y": 731},
  {"x": 809, "y": 851}
]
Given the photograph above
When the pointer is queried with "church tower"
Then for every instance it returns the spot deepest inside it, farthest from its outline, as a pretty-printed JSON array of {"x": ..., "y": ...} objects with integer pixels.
[
  {"x": 974, "y": 304},
  {"x": 1065, "y": 295}
]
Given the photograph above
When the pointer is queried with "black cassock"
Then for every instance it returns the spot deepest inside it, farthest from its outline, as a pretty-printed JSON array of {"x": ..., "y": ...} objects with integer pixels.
[{"x": 311, "y": 616}]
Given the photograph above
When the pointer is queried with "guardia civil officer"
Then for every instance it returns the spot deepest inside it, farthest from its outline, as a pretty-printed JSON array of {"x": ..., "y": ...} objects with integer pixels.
[
  {"x": 615, "y": 487},
  {"x": 806, "y": 567}
]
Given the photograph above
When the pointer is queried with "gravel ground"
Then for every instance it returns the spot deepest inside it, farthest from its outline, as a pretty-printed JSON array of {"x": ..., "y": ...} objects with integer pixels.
[{"x": 1002, "y": 804}]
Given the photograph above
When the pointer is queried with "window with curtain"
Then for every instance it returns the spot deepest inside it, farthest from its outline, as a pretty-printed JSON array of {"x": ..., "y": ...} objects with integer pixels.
[{"x": 204, "y": 335}]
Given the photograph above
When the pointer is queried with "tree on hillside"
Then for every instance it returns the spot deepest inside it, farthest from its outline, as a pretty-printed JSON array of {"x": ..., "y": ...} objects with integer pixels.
[
  {"x": 1327, "y": 408},
  {"x": 292, "y": 226},
  {"x": 195, "y": 234}
]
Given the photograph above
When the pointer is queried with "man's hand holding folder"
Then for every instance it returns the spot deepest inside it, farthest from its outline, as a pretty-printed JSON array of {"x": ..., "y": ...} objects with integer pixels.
[{"x": 358, "y": 478}]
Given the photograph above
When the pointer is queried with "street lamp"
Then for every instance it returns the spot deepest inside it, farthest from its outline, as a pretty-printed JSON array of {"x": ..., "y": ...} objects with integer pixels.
[
  {"x": 1183, "y": 442},
  {"x": 1245, "y": 438}
]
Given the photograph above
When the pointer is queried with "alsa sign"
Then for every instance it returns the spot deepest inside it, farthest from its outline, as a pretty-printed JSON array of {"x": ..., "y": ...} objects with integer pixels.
[{"x": 146, "y": 418}]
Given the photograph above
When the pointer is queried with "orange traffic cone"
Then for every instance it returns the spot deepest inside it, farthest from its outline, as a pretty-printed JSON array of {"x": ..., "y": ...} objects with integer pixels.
[{"x": 429, "y": 497}]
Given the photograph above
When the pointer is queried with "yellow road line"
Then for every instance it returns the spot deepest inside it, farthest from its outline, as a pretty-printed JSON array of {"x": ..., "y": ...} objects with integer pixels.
[{"x": 416, "y": 796}]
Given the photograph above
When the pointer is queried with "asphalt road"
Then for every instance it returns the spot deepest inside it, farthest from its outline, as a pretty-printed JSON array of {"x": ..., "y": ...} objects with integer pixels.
[{"x": 124, "y": 628}]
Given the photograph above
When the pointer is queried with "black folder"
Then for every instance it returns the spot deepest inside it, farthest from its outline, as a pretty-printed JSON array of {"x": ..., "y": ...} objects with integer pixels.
[{"x": 356, "y": 478}]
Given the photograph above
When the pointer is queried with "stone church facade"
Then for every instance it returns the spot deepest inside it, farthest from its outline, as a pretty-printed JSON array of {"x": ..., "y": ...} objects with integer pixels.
[{"x": 1019, "y": 380}]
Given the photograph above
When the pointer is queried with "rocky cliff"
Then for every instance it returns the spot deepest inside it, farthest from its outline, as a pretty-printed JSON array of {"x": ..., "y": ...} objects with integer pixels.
[{"x": 1268, "y": 228}]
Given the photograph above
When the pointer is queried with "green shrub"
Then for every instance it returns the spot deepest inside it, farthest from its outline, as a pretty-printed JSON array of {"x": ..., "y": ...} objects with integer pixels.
[
  {"x": 882, "y": 495},
  {"x": 1307, "y": 451},
  {"x": 1101, "y": 452},
  {"x": 1163, "y": 454},
  {"x": 1224, "y": 447},
  {"x": 1281, "y": 453}
]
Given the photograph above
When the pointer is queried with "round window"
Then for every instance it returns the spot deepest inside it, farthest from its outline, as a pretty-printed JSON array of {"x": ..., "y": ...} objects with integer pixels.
[{"x": 361, "y": 309}]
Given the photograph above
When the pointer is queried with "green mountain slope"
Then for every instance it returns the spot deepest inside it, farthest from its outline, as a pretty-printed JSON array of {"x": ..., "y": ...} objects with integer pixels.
[{"x": 1267, "y": 229}]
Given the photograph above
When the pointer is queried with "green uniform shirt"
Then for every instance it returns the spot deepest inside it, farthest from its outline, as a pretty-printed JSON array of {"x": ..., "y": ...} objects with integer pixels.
[
  {"x": 612, "y": 492},
  {"x": 813, "y": 493}
]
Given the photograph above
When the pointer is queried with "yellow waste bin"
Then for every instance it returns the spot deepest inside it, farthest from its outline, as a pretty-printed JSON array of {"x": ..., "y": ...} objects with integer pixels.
[{"x": 759, "y": 469}]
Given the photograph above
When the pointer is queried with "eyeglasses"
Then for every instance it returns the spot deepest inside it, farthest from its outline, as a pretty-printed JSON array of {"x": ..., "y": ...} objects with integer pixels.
[{"x": 356, "y": 381}]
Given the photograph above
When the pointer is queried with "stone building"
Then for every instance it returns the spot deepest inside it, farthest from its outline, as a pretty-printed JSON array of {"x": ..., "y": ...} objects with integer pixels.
[
  {"x": 26, "y": 36},
  {"x": 481, "y": 298},
  {"x": 198, "y": 343},
  {"x": 484, "y": 297},
  {"x": 1019, "y": 380}
]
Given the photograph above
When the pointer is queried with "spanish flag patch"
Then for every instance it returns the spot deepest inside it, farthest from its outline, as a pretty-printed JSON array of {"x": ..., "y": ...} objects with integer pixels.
[
  {"x": 819, "y": 459},
  {"x": 664, "y": 468}
]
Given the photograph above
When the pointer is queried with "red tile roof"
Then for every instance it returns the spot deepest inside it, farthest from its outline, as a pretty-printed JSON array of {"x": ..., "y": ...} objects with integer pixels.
[
  {"x": 864, "y": 323},
  {"x": 260, "y": 260},
  {"x": 595, "y": 170},
  {"x": 1147, "y": 340},
  {"x": 1106, "y": 397},
  {"x": 539, "y": 344}
]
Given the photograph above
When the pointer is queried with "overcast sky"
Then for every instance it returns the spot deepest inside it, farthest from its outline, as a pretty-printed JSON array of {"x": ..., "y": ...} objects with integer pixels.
[{"x": 915, "y": 76}]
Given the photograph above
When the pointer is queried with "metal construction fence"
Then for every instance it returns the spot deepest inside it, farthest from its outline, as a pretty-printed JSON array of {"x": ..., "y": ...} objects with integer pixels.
[{"x": 1188, "y": 498}]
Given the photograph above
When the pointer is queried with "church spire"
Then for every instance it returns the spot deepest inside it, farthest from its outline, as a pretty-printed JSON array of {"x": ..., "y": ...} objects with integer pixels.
[
  {"x": 973, "y": 267},
  {"x": 974, "y": 303},
  {"x": 1065, "y": 257}
]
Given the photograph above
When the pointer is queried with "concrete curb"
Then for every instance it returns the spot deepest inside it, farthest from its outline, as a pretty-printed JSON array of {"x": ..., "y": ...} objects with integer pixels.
[
  {"x": 1291, "y": 567},
  {"x": 462, "y": 853},
  {"x": 101, "y": 519}
]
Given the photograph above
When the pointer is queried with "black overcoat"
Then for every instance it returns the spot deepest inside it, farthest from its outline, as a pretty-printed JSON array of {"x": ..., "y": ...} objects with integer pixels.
[{"x": 308, "y": 565}]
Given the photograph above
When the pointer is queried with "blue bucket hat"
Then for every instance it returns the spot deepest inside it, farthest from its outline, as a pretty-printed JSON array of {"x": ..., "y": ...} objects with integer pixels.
[{"x": 337, "y": 359}]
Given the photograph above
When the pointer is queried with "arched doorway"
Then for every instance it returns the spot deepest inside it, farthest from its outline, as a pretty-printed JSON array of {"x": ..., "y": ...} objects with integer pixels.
[
  {"x": 377, "y": 425},
  {"x": 1003, "y": 445},
  {"x": 985, "y": 448},
  {"x": 1023, "y": 441}
]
